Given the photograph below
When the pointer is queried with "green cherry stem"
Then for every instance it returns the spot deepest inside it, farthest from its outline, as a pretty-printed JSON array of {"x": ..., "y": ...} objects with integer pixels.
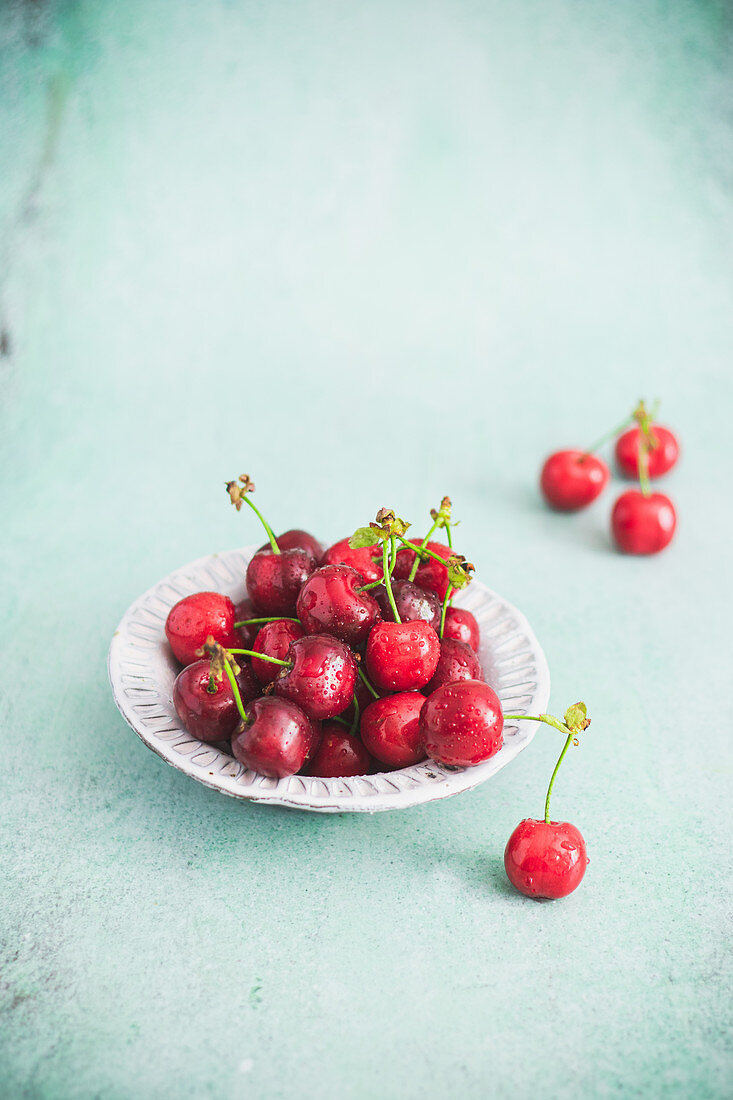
[
  {"x": 446, "y": 601},
  {"x": 235, "y": 689},
  {"x": 422, "y": 546},
  {"x": 644, "y": 483},
  {"x": 388, "y": 581},
  {"x": 366, "y": 587},
  {"x": 609, "y": 435},
  {"x": 568, "y": 743},
  {"x": 449, "y": 535},
  {"x": 263, "y": 521},
  {"x": 261, "y": 656},
  {"x": 422, "y": 550},
  {"x": 370, "y": 687},
  {"x": 271, "y": 619},
  {"x": 357, "y": 714},
  {"x": 570, "y": 734}
]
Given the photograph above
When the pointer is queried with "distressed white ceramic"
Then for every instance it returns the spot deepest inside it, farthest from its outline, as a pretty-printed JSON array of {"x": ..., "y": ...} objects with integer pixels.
[{"x": 142, "y": 671}]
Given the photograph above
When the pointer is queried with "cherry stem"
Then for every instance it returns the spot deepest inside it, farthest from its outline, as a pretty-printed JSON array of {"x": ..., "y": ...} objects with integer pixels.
[
  {"x": 355, "y": 721},
  {"x": 422, "y": 550},
  {"x": 368, "y": 685},
  {"x": 549, "y": 720},
  {"x": 341, "y": 721},
  {"x": 446, "y": 601},
  {"x": 265, "y": 524},
  {"x": 418, "y": 559},
  {"x": 449, "y": 535},
  {"x": 211, "y": 686},
  {"x": 366, "y": 587},
  {"x": 262, "y": 657},
  {"x": 644, "y": 483},
  {"x": 235, "y": 689},
  {"x": 271, "y": 619},
  {"x": 568, "y": 743},
  {"x": 388, "y": 581},
  {"x": 604, "y": 438}
]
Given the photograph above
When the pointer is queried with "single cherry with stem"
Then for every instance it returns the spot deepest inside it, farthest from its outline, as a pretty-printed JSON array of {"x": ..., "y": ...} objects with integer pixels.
[
  {"x": 339, "y": 754},
  {"x": 643, "y": 522},
  {"x": 193, "y": 618},
  {"x": 297, "y": 540},
  {"x": 662, "y": 446},
  {"x": 460, "y": 624},
  {"x": 332, "y": 602},
  {"x": 573, "y": 479},
  {"x": 461, "y": 723},
  {"x": 390, "y": 729},
  {"x": 321, "y": 675},
  {"x": 206, "y": 706},
  {"x": 544, "y": 858},
  {"x": 273, "y": 640}
]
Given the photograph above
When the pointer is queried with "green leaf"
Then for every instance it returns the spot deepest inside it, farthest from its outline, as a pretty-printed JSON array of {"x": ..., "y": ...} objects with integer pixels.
[
  {"x": 576, "y": 717},
  {"x": 364, "y": 536}
]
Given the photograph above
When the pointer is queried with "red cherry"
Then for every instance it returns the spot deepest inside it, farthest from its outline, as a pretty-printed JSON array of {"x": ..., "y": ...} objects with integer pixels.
[
  {"x": 193, "y": 618},
  {"x": 545, "y": 860},
  {"x": 248, "y": 684},
  {"x": 322, "y": 678},
  {"x": 209, "y": 716},
  {"x": 274, "y": 580},
  {"x": 360, "y": 560},
  {"x": 363, "y": 697},
  {"x": 663, "y": 451},
  {"x": 641, "y": 524},
  {"x": 430, "y": 573},
  {"x": 330, "y": 603},
  {"x": 573, "y": 479},
  {"x": 245, "y": 609},
  {"x": 339, "y": 754},
  {"x": 461, "y": 625},
  {"x": 457, "y": 661},
  {"x": 273, "y": 639},
  {"x": 390, "y": 729},
  {"x": 402, "y": 656},
  {"x": 413, "y": 602},
  {"x": 277, "y": 739},
  {"x": 297, "y": 540},
  {"x": 462, "y": 723}
]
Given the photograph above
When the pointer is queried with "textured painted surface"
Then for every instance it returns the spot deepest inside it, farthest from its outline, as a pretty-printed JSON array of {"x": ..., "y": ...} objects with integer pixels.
[{"x": 369, "y": 253}]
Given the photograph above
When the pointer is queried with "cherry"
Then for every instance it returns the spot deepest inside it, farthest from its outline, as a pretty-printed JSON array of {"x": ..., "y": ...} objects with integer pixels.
[
  {"x": 339, "y": 753},
  {"x": 275, "y": 579},
  {"x": 390, "y": 729},
  {"x": 573, "y": 479},
  {"x": 274, "y": 737},
  {"x": 194, "y": 618},
  {"x": 412, "y": 603},
  {"x": 207, "y": 709},
  {"x": 643, "y": 524},
  {"x": 430, "y": 573},
  {"x": 457, "y": 661},
  {"x": 360, "y": 559},
  {"x": 462, "y": 723},
  {"x": 247, "y": 682},
  {"x": 402, "y": 656},
  {"x": 461, "y": 625},
  {"x": 273, "y": 639},
  {"x": 330, "y": 603},
  {"x": 245, "y": 609},
  {"x": 322, "y": 677},
  {"x": 545, "y": 859},
  {"x": 298, "y": 540},
  {"x": 663, "y": 450}
]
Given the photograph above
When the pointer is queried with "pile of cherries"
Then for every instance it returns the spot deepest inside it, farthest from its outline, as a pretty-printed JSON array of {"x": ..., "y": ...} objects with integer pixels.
[
  {"x": 642, "y": 522},
  {"x": 351, "y": 661}
]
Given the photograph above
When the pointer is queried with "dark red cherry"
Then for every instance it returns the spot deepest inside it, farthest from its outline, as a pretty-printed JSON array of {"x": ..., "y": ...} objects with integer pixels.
[
  {"x": 545, "y": 860},
  {"x": 363, "y": 698},
  {"x": 277, "y": 739},
  {"x": 663, "y": 451},
  {"x": 339, "y": 754},
  {"x": 249, "y": 685},
  {"x": 209, "y": 716},
  {"x": 641, "y": 524},
  {"x": 390, "y": 729},
  {"x": 402, "y": 656},
  {"x": 274, "y": 639},
  {"x": 413, "y": 602},
  {"x": 245, "y": 609},
  {"x": 194, "y": 618},
  {"x": 297, "y": 540},
  {"x": 361, "y": 560},
  {"x": 430, "y": 573},
  {"x": 462, "y": 723},
  {"x": 330, "y": 603},
  {"x": 573, "y": 479},
  {"x": 322, "y": 678},
  {"x": 457, "y": 661},
  {"x": 461, "y": 625},
  {"x": 274, "y": 580}
]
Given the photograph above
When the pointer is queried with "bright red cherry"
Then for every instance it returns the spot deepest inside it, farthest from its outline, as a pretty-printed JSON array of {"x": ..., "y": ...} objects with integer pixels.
[
  {"x": 390, "y": 729},
  {"x": 322, "y": 678},
  {"x": 361, "y": 560},
  {"x": 643, "y": 524},
  {"x": 462, "y": 723},
  {"x": 545, "y": 859},
  {"x": 573, "y": 479},
  {"x": 339, "y": 753},
  {"x": 430, "y": 573},
  {"x": 273, "y": 639},
  {"x": 413, "y": 602},
  {"x": 194, "y": 618},
  {"x": 461, "y": 625},
  {"x": 663, "y": 451},
  {"x": 209, "y": 716},
  {"x": 274, "y": 580},
  {"x": 276, "y": 738},
  {"x": 297, "y": 540},
  {"x": 457, "y": 661},
  {"x": 330, "y": 603},
  {"x": 402, "y": 656}
]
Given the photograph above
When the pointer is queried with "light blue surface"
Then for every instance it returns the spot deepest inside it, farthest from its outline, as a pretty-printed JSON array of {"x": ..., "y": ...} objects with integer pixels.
[{"x": 368, "y": 254}]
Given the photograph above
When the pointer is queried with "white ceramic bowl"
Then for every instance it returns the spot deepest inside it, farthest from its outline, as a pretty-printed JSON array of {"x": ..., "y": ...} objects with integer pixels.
[{"x": 142, "y": 670}]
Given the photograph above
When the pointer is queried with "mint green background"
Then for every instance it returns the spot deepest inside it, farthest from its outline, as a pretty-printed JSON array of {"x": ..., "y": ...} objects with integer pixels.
[{"x": 369, "y": 253}]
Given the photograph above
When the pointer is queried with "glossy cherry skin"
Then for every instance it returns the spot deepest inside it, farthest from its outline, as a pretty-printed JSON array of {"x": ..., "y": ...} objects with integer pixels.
[
  {"x": 278, "y": 739},
  {"x": 194, "y": 618},
  {"x": 330, "y": 603},
  {"x": 339, "y": 754},
  {"x": 402, "y": 656},
  {"x": 461, "y": 625},
  {"x": 361, "y": 560},
  {"x": 209, "y": 716},
  {"x": 462, "y": 723},
  {"x": 274, "y": 580},
  {"x": 663, "y": 453},
  {"x": 322, "y": 678},
  {"x": 249, "y": 685},
  {"x": 457, "y": 661},
  {"x": 430, "y": 573},
  {"x": 413, "y": 602},
  {"x": 643, "y": 525},
  {"x": 390, "y": 729},
  {"x": 273, "y": 639},
  {"x": 297, "y": 540},
  {"x": 545, "y": 860},
  {"x": 245, "y": 609},
  {"x": 573, "y": 479}
]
